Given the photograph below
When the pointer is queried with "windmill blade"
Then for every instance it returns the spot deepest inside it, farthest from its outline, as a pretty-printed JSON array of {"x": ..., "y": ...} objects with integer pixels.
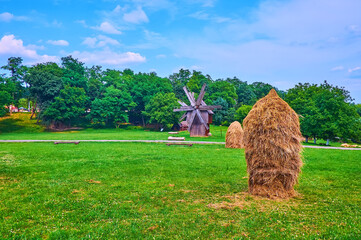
[
  {"x": 189, "y": 96},
  {"x": 201, "y": 119},
  {"x": 201, "y": 95},
  {"x": 186, "y": 108},
  {"x": 209, "y": 107},
  {"x": 182, "y": 117},
  {"x": 209, "y": 111},
  {"x": 182, "y": 103},
  {"x": 191, "y": 119}
]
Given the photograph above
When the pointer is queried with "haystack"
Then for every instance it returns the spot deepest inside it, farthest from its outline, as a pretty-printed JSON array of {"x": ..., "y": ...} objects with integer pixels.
[
  {"x": 272, "y": 145},
  {"x": 234, "y": 136}
]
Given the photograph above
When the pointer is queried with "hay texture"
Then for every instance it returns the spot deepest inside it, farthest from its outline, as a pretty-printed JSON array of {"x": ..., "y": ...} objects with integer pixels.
[
  {"x": 234, "y": 136},
  {"x": 272, "y": 141}
]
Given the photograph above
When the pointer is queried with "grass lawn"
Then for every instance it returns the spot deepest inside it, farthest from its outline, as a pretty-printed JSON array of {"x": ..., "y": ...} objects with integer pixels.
[
  {"x": 146, "y": 191},
  {"x": 20, "y": 127}
]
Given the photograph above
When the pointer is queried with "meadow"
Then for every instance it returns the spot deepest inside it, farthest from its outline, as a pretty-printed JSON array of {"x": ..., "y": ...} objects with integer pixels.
[
  {"x": 148, "y": 190},
  {"x": 20, "y": 127}
]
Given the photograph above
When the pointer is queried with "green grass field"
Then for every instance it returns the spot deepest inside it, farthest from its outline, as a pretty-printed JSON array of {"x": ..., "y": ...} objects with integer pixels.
[
  {"x": 146, "y": 191},
  {"x": 20, "y": 127}
]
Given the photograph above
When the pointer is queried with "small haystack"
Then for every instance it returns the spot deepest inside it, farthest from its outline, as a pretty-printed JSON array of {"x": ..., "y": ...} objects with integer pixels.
[
  {"x": 272, "y": 145},
  {"x": 234, "y": 136}
]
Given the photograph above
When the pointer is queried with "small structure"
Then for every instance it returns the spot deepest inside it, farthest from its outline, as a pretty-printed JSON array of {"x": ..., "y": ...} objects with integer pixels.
[
  {"x": 198, "y": 114},
  {"x": 272, "y": 140},
  {"x": 234, "y": 135}
]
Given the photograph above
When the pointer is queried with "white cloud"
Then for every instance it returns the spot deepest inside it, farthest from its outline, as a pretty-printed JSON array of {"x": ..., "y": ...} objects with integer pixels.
[
  {"x": 338, "y": 68},
  {"x": 159, "y": 56},
  {"x": 89, "y": 41},
  {"x": 7, "y": 17},
  {"x": 109, "y": 57},
  {"x": 100, "y": 41},
  {"x": 201, "y": 15},
  {"x": 10, "y": 46},
  {"x": 58, "y": 42},
  {"x": 82, "y": 22},
  {"x": 354, "y": 69},
  {"x": 137, "y": 16},
  {"x": 107, "y": 28}
]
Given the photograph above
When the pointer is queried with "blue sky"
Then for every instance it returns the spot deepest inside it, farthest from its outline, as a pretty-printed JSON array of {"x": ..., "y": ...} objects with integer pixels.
[{"x": 281, "y": 42}]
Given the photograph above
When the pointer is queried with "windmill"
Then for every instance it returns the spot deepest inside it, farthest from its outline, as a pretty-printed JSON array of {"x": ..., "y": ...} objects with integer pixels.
[{"x": 198, "y": 114}]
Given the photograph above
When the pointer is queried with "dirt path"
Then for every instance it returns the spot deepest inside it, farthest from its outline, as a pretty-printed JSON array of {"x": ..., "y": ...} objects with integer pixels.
[{"x": 154, "y": 141}]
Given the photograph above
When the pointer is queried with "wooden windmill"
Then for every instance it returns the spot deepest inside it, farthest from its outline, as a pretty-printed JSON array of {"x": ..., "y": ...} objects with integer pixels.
[{"x": 198, "y": 114}]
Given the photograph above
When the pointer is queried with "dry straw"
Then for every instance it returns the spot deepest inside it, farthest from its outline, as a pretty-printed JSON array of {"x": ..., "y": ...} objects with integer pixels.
[
  {"x": 234, "y": 136},
  {"x": 272, "y": 145}
]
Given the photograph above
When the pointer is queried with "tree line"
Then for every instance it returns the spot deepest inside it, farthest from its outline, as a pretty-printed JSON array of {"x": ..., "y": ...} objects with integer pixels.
[{"x": 71, "y": 94}]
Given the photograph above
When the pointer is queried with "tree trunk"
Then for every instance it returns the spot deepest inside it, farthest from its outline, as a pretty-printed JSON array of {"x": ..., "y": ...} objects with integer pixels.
[
  {"x": 314, "y": 140},
  {"x": 11, "y": 109},
  {"x": 33, "y": 111},
  {"x": 327, "y": 142},
  {"x": 143, "y": 121},
  {"x": 306, "y": 139}
]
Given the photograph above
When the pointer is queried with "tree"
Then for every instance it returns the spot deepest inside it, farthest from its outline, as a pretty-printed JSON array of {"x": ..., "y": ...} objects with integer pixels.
[
  {"x": 242, "y": 112},
  {"x": 223, "y": 89},
  {"x": 178, "y": 81},
  {"x": 67, "y": 109},
  {"x": 325, "y": 111},
  {"x": 17, "y": 73},
  {"x": 196, "y": 82},
  {"x": 225, "y": 115},
  {"x": 245, "y": 94},
  {"x": 5, "y": 100},
  {"x": 95, "y": 86},
  {"x": 261, "y": 89},
  {"x": 45, "y": 83},
  {"x": 142, "y": 88},
  {"x": 112, "y": 109},
  {"x": 160, "y": 109},
  {"x": 73, "y": 72}
]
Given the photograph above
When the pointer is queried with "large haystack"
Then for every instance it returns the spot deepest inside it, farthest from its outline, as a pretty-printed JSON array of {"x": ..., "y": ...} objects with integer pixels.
[
  {"x": 272, "y": 145},
  {"x": 234, "y": 136}
]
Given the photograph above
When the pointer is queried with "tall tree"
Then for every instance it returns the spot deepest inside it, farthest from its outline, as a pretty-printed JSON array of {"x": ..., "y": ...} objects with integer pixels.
[
  {"x": 160, "y": 109},
  {"x": 17, "y": 73},
  {"x": 73, "y": 72},
  {"x": 112, "y": 109},
  {"x": 178, "y": 81},
  {"x": 143, "y": 87},
  {"x": 67, "y": 109},
  {"x": 223, "y": 89},
  {"x": 45, "y": 83},
  {"x": 225, "y": 115}
]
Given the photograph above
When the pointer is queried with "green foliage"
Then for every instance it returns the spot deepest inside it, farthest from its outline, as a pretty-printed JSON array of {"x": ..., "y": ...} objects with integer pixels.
[
  {"x": 44, "y": 83},
  {"x": 242, "y": 112},
  {"x": 225, "y": 115},
  {"x": 73, "y": 72},
  {"x": 23, "y": 102},
  {"x": 196, "y": 82},
  {"x": 17, "y": 73},
  {"x": 67, "y": 108},
  {"x": 178, "y": 81},
  {"x": 223, "y": 89},
  {"x": 358, "y": 109},
  {"x": 325, "y": 111},
  {"x": 112, "y": 109},
  {"x": 142, "y": 88},
  {"x": 160, "y": 109},
  {"x": 5, "y": 100}
]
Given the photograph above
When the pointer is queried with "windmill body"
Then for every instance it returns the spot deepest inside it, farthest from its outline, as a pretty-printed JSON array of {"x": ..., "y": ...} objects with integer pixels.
[{"x": 198, "y": 114}]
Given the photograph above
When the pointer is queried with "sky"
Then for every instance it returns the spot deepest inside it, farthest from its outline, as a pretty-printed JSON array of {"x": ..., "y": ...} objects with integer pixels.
[{"x": 280, "y": 42}]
